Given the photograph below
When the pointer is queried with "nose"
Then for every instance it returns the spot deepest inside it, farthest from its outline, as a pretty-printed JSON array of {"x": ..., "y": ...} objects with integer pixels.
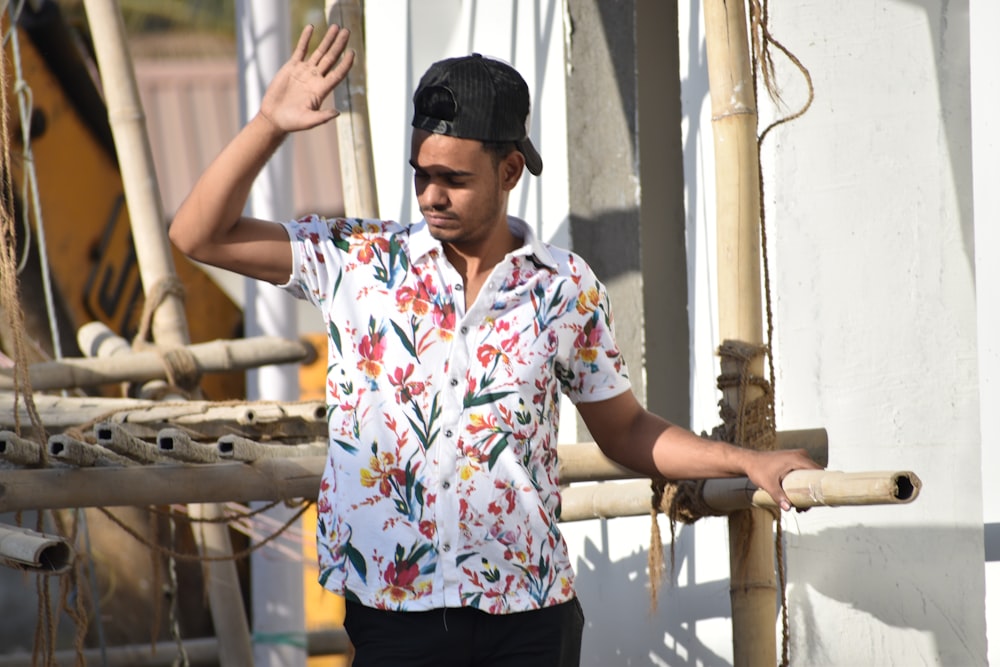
[{"x": 433, "y": 196}]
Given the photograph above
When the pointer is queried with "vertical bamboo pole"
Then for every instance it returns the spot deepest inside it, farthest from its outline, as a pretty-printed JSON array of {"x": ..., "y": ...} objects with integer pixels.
[
  {"x": 169, "y": 326},
  {"x": 734, "y": 122},
  {"x": 353, "y": 130}
]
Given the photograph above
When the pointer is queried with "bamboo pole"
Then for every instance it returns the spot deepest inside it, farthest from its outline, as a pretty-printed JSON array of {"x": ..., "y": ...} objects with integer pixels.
[
  {"x": 26, "y": 549},
  {"x": 353, "y": 129},
  {"x": 156, "y": 270},
  {"x": 213, "y": 357},
  {"x": 135, "y": 159},
  {"x": 289, "y": 477},
  {"x": 753, "y": 587},
  {"x": 819, "y": 488},
  {"x": 200, "y": 652},
  {"x": 161, "y": 484}
]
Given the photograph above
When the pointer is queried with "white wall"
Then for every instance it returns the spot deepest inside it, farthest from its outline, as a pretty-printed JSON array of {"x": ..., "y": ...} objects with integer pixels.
[
  {"x": 870, "y": 204},
  {"x": 872, "y": 247},
  {"x": 985, "y": 53}
]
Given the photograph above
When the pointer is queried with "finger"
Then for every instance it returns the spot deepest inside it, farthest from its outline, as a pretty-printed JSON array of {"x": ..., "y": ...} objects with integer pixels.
[
  {"x": 338, "y": 73},
  {"x": 303, "y": 44},
  {"x": 323, "y": 49},
  {"x": 337, "y": 46}
]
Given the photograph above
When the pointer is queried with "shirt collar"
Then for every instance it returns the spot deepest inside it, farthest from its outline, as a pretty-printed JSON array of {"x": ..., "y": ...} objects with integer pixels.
[{"x": 422, "y": 243}]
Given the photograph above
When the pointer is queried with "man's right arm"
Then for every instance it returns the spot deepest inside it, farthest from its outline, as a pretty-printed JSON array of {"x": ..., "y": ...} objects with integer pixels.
[{"x": 209, "y": 225}]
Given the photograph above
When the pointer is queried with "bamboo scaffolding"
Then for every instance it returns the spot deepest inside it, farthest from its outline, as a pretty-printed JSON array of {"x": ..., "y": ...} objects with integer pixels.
[
  {"x": 212, "y": 357},
  {"x": 156, "y": 270},
  {"x": 753, "y": 587},
  {"x": 353, "y": 128},
  {"x": 26, "y": 549},
  {"x": 200, "y": 652}
]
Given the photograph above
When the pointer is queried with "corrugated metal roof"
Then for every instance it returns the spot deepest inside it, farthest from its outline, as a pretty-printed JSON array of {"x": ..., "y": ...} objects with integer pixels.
[{"x": 192, "y": 111}]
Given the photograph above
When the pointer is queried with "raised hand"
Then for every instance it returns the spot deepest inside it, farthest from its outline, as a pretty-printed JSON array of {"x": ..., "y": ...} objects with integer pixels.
[{"x": 294, "y": 99}]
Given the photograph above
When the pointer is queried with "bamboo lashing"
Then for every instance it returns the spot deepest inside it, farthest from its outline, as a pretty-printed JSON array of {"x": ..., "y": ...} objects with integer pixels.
[
  {"x": 167, "y": 321},
  {"x": 26, "y": 549},
  {"x": 212, "y": 357}
]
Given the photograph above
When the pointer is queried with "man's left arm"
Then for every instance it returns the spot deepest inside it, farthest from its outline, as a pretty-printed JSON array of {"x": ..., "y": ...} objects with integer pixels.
[{"x": 632, "y": 436}]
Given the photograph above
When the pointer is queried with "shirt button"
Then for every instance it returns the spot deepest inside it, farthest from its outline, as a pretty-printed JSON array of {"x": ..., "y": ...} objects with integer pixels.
[
  {"x": 453, "y": 382},
  {"x": 448, "y": 433},
  {"x": 446, "y": 548},
  {"x": 465, "y": 330},
  {"x": 459, "y": 287},
  {"x": 446, "y": 486}
]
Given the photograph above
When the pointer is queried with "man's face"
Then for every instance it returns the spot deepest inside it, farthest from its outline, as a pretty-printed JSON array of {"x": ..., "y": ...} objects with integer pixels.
[{"x": 462, "y": 193}]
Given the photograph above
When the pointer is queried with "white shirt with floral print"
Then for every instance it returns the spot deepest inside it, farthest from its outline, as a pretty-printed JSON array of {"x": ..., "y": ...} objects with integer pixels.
[{"x": 441, "y": 488}]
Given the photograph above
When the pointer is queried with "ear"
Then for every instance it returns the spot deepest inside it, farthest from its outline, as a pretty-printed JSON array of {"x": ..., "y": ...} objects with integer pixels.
[{"x": 510, "y": 170}]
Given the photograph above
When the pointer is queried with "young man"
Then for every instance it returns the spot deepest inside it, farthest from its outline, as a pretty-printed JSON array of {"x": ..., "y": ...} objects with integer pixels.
[{"x": 450, "y": 341}]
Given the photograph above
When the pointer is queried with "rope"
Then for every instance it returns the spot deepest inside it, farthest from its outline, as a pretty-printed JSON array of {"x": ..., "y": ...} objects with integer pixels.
[
  {"x": 183, "y": 373},
  {"x": 32, "y": 202},
  {"x": 179, "y": 555},
  {"x": 763, "y": 40}
]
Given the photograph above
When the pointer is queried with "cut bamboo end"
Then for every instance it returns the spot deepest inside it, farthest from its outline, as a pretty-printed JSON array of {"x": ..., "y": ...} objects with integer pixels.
[
  {"x": 176, "y": 444},
  {"x": 26, "y": 549},
  {"x": 19, "y": 451}
]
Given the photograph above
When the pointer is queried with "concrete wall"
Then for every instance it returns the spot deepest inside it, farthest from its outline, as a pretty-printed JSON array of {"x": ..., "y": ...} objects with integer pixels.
[{"x": 873, "y": 251}]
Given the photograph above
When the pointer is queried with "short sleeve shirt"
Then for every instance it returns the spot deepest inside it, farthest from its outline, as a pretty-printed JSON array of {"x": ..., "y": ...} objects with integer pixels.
[{"x": 441, "y": 488}]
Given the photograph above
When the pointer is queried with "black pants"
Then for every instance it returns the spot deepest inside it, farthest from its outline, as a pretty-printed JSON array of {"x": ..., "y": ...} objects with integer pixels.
[{"x": 466, "y": 637}]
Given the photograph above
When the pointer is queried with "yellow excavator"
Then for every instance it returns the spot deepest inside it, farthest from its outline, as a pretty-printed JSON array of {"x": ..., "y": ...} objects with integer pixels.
[{"x": 90, "y": 253}]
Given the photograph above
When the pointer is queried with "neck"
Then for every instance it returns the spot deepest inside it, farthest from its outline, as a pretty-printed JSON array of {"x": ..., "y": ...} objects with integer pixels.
[{"x": 475, "y": 263}]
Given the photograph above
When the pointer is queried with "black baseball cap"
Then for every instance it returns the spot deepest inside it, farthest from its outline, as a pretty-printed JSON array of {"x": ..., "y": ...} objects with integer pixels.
[{"x": 475, "y": 97}]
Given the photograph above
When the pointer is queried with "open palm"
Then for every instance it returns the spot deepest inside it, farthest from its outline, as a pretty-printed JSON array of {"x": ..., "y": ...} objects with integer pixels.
[{"x": 294, "y": 100}]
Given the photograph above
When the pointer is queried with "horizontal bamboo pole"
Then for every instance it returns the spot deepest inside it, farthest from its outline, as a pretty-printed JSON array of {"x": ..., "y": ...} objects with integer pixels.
[
  {"x": 805, "y": 489},
  {"x": 212, "y": 357},
  {"x": 160, "y": 484},
  {"x": 26, "y": 549},
  {"x": 282, "y": 478},
  {"x": 201, "y": 652}
]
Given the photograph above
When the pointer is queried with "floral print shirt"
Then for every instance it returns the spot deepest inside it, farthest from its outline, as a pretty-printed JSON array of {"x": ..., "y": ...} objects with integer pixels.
[{"x": 441, "y": 487}]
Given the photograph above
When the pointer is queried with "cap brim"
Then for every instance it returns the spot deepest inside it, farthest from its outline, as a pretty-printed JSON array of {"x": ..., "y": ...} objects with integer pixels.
[{"x": 532, "y": 160}]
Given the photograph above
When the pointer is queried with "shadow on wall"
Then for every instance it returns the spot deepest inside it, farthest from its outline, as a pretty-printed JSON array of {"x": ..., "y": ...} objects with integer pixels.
[{"x": 900, "y": 578}]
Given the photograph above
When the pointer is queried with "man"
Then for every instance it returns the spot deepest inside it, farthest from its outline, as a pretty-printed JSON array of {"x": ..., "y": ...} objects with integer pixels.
[{"x": 450, "y": 341}]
